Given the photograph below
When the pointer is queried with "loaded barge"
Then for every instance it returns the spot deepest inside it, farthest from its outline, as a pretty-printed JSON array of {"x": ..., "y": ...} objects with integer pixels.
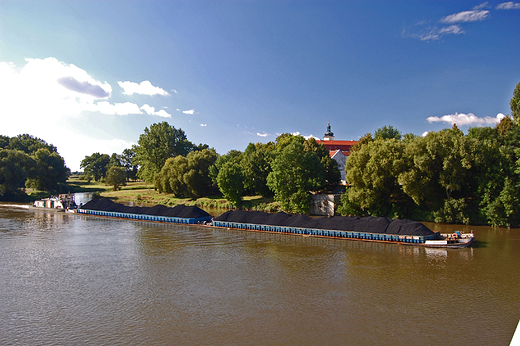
[
  {"x": 377, "y": 229},
  {"x": 180, "y": 214}
]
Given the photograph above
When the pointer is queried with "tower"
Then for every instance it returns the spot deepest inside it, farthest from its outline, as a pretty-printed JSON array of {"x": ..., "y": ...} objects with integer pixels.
[{"x": 328, "y": 136}]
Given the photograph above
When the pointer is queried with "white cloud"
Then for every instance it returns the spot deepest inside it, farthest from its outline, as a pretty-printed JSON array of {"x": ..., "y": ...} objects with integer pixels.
[
  {"x": 466, "y": 16},
  {"x": 466, "y": 119},
  {"x": 508, "y": 6},
  {"x": 151, "y": 111},
  {"x": 203, "y": 125},
  {"x": 452, "y": 29},
  {"x": 143, "y": 88},
  {"x": 310, "y": 136},
  {"x": 116, "y": 108},
  {"x": 191, "y": 112},
  {"x": 434, "y": 33},
  {"x": 49, "y": 99},
  {"x": 262, "y": 134},
  {"x": 481, "y": 6},
  {"x": 425, "y": 133}
]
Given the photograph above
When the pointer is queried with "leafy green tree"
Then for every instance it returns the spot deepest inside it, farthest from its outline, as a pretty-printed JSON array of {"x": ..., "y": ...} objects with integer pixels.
[
  {"x": 230, "y": 181},
  {"x": 232, "y": 155},
  {"x": 116, "y": 177},
  {"x": 49, "y": 171},
  {"x": 295, "y": 173},
  {"x": 158, "y": 144},
  {"x": 29, "y": 144},
  {"x": 95, "y": 165},
  {"x": 256, "y": 166},
  {"x": 328, "y": 165},
  {"x": 4, "y": 142},
  {"x": 372, "y": 171},
  {"x": 367, "y": 138},
  {"x": 115, "y": 160},
  {"x": 515, "y": 104},
  {"x": 187, "y": 176},
  {"x": 127, "y": 161},
  {"x": 14, "y": 168},
  {"x": 387, "y": 132},
  {"x": 170, "y": 178},
  {"x": 441, "y": 174}
]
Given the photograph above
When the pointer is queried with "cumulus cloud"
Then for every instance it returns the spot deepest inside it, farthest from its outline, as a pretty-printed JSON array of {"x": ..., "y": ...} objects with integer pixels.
[
  {"x": 190, "y": 112},
  {"x": 508, "y": 6},
  {"x": 465, "y": 16},
  {"x": 262, "y": 134},
  {"x": 51, "y": 99},
  {"x": 84, "y": 87},
  {"x": 203, "y": 125},
  {"x": 151, "y": 111},
  {"x": 143, "y": 88},
  {"x": 116, "y": 108},
  {"x": 466, "y": 119},
  {"x": 425, "y": 133}
]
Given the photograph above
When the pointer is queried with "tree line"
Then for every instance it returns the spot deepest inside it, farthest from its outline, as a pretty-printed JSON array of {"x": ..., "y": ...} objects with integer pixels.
[
  {"x": 445, "y": 176},
  {"x": 29, "y": 162}
]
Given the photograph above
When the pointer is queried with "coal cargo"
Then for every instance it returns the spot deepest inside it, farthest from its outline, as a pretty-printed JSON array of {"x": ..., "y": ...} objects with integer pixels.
[
  {"x": 179, "y": 211},
  {"x": 380, "y": 225}
]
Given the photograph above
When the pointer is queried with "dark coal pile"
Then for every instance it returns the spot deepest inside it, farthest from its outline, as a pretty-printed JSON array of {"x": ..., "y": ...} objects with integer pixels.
[
  {"x": 339, "y": 223},
  {"x": 104, "y": 204}
]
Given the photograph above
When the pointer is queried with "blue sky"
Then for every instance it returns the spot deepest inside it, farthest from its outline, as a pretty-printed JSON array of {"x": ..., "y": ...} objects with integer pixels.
[{"x": 89, "y": 76}]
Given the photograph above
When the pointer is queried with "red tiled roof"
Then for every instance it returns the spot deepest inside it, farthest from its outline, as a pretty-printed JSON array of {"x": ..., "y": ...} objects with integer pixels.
[{"x": 331, "y": 145}]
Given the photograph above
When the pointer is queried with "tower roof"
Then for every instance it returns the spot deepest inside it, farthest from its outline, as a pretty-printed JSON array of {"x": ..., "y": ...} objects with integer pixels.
[{"x": 329, "y": 133}]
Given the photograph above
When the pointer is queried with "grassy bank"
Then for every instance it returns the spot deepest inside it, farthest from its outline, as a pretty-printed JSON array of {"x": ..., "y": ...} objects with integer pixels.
[{"x": 145, "y": 194}]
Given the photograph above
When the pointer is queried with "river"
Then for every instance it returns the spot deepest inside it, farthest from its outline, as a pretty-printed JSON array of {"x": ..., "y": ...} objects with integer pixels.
[{"x": 70, "y": 279}]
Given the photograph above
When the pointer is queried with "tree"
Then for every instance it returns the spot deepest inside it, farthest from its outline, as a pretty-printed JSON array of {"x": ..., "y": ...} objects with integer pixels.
[
  {"x": 187, "y": 176},
  {"x": 328, "y": 165},
  {"x": 115, "y": 160},
  {"x": 295, "y": 173},
  {"x": 231, "y": 182},
  {"x": 116, "y": 177},
  {"x": 14, "y": 168},
  {"x": 372, "y": 171},
  {"x": 232, "y": 155},
  {"x": 256, "y": 166},
  {"x": 515, "y": 104},
  {"x": 158, "y": 144},
  {"x": 95, "y": 165},
  {"x": 127, "y": 161},
  {"x": 441, "y": 175},
  {"x": 49, "y": 171},
  {"x": 387, "y": 133},
  {"x": 29, "y": 144}
]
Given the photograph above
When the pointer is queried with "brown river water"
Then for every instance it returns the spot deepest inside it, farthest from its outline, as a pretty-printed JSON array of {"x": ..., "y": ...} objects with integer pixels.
[{"x": 81, "y": 280}]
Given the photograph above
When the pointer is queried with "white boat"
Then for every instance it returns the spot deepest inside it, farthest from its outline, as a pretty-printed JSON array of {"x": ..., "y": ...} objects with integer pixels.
[{"x": 62, "y": 202}]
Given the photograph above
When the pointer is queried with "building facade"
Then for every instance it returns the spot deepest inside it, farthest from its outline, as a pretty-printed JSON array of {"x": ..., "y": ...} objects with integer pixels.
[{"x": 339, "y": 150}]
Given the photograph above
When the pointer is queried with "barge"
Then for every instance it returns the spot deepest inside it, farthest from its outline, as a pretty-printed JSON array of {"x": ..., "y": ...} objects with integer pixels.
[
  {"x": 179, "y": 214},
  {"x": 378, "y": 229}
]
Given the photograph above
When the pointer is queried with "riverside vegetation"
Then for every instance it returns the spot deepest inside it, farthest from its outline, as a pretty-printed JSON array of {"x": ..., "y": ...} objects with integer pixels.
[{"x": 445, "y": 176}]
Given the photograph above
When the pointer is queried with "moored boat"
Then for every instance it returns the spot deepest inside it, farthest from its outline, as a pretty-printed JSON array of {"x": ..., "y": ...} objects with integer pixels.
[{"x": 61, "y": 202}]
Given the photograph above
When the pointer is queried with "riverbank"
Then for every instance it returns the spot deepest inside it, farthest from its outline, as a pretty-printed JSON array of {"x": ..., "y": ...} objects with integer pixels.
[{"x": 141, "y": 193}]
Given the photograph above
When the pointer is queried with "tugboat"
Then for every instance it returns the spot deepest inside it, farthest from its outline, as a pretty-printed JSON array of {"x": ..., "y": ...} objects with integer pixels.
[{"x": 62, "y": 202}]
